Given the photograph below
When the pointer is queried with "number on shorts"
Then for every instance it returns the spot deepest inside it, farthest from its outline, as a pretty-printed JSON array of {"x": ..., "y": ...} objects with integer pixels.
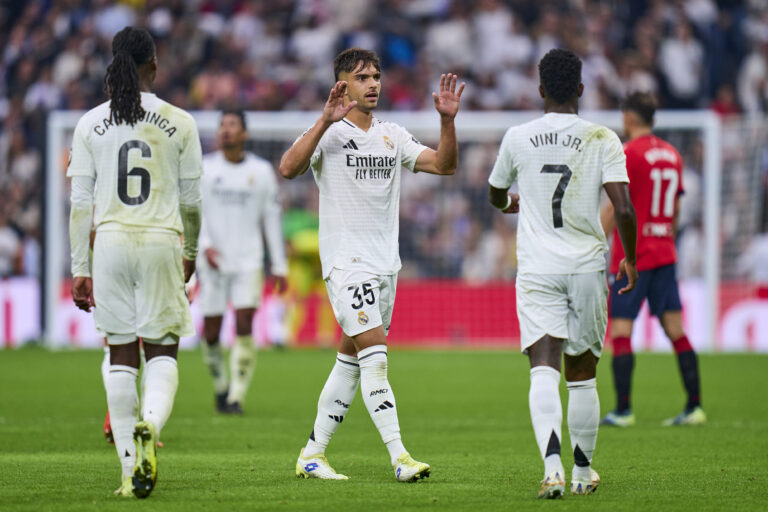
[
  {"x": 139, "y": 172},
  {"x": 557, "y": 197},
  {"x": 366, "y": 297}
]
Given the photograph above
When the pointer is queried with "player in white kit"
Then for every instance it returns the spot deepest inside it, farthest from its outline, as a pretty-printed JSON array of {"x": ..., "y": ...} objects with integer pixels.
[
  {"x": 562, "y": 164},
  {"x": 356, "y": 160},
  {"x": 239, "y": 197},
  {"x": 143, "y": 157}
]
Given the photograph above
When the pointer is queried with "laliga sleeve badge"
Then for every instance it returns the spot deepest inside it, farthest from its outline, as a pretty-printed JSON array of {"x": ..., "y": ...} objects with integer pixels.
[{"x": 362, "y": 318}]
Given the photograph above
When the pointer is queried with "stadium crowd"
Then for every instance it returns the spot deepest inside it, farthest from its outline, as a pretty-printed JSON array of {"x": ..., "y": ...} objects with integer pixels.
[{"x": 277, "y": 54}]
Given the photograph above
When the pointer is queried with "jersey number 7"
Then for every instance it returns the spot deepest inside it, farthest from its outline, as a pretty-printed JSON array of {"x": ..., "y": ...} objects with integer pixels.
[
  {"x": 139, "y": 172},
  {"x": 557, "y": 197}
]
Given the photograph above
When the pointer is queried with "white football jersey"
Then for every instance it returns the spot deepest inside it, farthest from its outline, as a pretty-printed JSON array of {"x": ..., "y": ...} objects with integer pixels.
[
  {"x": 238, "y": 198},
  {"x": 137, "y": 168},
  {"x": 561, "y": 163},
  {"x": 358, "y": 175}
]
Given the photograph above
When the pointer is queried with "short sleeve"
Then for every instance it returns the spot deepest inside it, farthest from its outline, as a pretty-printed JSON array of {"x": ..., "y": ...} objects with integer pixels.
[
  {"x": 614, "y": 160},
  {"x": 317, "y": 157},
  {"x": 680, "y": 187},
  {"x": 504, "y": 171},
  {"x": 191, "y": 156},
  {"x": 410, "y": 148},
  {"x": 80, "y": 157}
]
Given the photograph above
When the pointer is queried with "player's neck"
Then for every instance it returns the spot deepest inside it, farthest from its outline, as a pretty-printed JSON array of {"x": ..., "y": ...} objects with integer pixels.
[
  {"x": 550, "y": 107},
  {"x": 636, "y": 133},
  {"x": 234, "y": 155},
  {"x": 360, "y": 118},
  {"x": 145, "y": 84}
]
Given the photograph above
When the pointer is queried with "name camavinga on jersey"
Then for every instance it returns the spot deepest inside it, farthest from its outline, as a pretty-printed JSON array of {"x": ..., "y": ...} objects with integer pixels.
[
  {"x": 371, "y": 167},
  {"x": 148, "y": 117}
]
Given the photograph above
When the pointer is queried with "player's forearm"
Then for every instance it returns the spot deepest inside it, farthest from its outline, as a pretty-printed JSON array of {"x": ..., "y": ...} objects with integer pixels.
[
  {"x": 448, "y": 149},
  {"x": 190, "y": 207},
  {"x": 80, "y": 221},
  {"x": 191, "y": 218},
  {"x": 298, "y": 157},
  {"x": 626, "y": 222},
  {"x": 276, "y": 246},
  {"x": 498, "y": 197}
]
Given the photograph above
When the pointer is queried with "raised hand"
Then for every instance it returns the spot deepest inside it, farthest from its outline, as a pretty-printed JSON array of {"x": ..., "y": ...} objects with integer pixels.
[
  {"x": 448, "y": 99},
  {"x": 334, "y": 109}
]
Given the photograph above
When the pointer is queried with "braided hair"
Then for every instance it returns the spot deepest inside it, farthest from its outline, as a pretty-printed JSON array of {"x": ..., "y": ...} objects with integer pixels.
[
  {"x": 131, "y": 47},
  {"x": 560, "y": 75}
]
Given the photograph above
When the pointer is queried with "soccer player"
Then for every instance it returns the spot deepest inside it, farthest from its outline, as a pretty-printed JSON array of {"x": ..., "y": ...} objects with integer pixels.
[
  {"x": 562, "y": 164},
  {"x": 143, "y": 158},
  {"x": 356, "y": 160},
  {"x": 239, "y": 195},
  {"x": 656, "y": 182}
]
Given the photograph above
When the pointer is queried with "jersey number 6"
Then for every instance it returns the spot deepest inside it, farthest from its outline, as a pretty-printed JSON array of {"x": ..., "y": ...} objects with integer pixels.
[
  {"x": 139, "y": 172},
  {"x": 557, "y": 197}
]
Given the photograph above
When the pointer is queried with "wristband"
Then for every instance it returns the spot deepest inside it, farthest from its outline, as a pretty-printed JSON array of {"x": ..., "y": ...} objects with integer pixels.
[{"x": 509, "y": 202}]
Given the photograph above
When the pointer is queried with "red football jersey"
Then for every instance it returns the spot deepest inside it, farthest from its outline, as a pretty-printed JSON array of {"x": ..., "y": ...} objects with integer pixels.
[{"x": 655, "y": 172}]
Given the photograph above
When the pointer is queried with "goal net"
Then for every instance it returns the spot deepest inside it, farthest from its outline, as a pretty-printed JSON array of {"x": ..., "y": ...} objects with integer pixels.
[{"x": 457, "y": 282}]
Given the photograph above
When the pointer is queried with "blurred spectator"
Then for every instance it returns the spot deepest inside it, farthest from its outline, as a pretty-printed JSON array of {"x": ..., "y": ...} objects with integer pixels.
[
  {"x": 9, "y": 248},
  {"x": 681, "y": 60}
]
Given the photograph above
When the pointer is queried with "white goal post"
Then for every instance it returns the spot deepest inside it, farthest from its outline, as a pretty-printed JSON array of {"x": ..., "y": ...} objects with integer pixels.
[{"x": 471, "y": 126}]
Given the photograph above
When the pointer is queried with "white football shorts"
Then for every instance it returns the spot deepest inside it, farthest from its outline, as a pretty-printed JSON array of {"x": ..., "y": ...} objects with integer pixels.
[
  {"x": 573, "y": 307},
  {"x": 138, "y": 285},
  {"x": 361, "y": 300},
  {"x": 241, "y": 289}
]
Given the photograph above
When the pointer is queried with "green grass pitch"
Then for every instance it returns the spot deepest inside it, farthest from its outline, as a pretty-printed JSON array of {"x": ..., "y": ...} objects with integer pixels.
[{"x": 464, "y": 412}]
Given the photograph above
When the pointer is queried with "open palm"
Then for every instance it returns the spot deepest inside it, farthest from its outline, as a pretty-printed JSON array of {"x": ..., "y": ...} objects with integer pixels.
[
  {"x": 334, "y": 109},
  {"x": 448, "y": 99}
]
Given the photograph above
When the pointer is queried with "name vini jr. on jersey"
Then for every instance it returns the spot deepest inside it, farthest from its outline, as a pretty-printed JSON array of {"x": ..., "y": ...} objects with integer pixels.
[
  {"x": 550, "y": 139},
  {"x": 371, "y": 167},
  {"x": 148, "y": 117}
]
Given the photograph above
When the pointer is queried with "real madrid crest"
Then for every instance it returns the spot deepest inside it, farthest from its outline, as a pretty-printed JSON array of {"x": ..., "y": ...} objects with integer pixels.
[
  {"x": 388, "y": 143},
  {"x": 362, "y": 318}
]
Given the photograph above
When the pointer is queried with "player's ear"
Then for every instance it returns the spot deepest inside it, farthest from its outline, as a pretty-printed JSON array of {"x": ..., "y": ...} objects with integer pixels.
[
  {"x": 581, "y": 89},
  {"x": 541, "y": 92}
]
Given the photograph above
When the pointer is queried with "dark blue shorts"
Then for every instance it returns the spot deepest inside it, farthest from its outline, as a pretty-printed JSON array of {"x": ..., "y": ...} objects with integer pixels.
[{"x": 658, "y": 285}]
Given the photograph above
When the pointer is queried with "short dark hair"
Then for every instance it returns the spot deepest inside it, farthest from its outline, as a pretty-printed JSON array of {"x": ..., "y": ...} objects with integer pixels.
[
  {"x": 235, "y": 112},
  {"x": 351, "y": 58},
  {"x": 641, "y": 103},
  {"x": 560, "y": 75}
]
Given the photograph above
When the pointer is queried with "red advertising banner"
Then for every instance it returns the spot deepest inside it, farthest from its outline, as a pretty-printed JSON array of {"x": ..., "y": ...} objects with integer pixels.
[{"x": 448, "y": 313}]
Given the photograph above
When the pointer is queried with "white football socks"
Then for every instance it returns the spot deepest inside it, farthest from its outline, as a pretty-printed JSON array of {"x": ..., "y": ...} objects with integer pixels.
[
  {"x": 105, "y": 364},
  {"x": 161, "y": 379},
  {"x": 583, "y": 421},
  {"x": 379, "y": 399},
  {"x": 242, "y": 360},
  {"x": 214, "y": 360},
  {"x": 547, "y": 416},
  {"x": 123, "y": 403},
  {"x": 334, "y": 402}
]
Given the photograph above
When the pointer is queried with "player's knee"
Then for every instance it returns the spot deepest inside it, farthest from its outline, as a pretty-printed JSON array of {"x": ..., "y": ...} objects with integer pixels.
[
  {"x": 125, "y": 353},
  {"x": 243, "y": 321},
  {"x": 581, "y": 367},
  {"x": 167, "y": 345}
]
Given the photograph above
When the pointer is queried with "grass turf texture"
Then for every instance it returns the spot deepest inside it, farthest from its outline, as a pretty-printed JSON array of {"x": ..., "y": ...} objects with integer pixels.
[{"x": 465, "y": 413}]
